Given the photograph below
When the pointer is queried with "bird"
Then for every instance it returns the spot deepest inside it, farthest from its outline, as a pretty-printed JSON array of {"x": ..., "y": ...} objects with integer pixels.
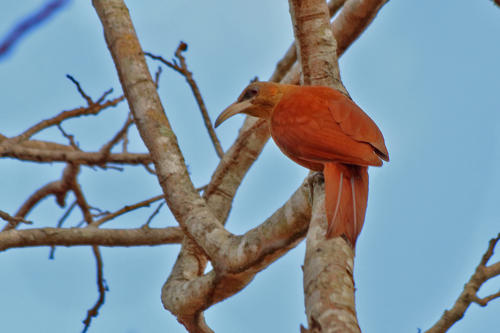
[{"x": 323, "y": 130}]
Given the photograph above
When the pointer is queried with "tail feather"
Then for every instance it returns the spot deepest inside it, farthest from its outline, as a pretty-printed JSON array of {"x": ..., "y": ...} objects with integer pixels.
[{"x": 346, "y": 191}]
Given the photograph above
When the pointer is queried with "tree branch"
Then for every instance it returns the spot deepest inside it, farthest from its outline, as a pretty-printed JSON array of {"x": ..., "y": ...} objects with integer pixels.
[
  {"x": 58, "y": 188},
  {"x": 26, "y": 152},
  {"x": 290, "y": 57},
  {"x": 328, "y": 276},
  {"x": 354, "y": 18},
  {"x": 187, "y": 292},
  {"x": 92, "y": 109},
  {"x": 101, "y": 289},
  {"x": 482, "y": 274},
  {"x": 184, "y": 71},
  {"x": 89, "y": 236}
]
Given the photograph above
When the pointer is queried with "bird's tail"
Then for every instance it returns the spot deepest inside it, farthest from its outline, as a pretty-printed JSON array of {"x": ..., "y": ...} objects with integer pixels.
[{"x": 346, "y": 196}]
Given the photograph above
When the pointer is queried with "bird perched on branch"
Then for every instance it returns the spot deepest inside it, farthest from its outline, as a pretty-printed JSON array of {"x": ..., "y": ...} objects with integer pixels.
[{"x": 322, "y": 130}]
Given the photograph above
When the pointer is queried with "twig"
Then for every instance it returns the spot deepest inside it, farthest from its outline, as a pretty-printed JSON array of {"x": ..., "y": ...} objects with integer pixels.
[
  {"x": 101, "y": 288},
  {"x": 149, "y": 169},
  {"x": 60, "y": 223},
  {"x": 126, "y": 209},
  {"x": 82, "y": 111},
  {"x": 157, "y": 210},
  {"x": 86, "y": 97},
  {"x": 106, "y": 149},
  {"x": 59, "y": 188},
  {"x": 104, "y": 95},
  {"x": 157, "y": 77},
  {"x": 13, "y": 219},
  {"x": 482, "y": 274},
  {"x": 183, "y": 69},
  {"x": 29, "y": 23},
  {"x": 69, "y": 137}
]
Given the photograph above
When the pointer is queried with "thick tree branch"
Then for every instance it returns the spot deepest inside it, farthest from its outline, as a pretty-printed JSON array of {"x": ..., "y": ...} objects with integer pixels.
[
  {"x": 316, "y": 46},
  {"x": 290, "y": 57},
  {"x": 89, "y": 236},
  {"x": 482, "y": 274},
  {"x": 329, "y": 263},
  {"x": 328, "y": 276},
  {"x": 187, "y": 295},
  {"x": 354, "y": 18}
]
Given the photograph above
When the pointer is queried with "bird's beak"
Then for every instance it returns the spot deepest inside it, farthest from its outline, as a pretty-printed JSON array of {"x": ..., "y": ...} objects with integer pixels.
[{"x": 231, "y": 110}]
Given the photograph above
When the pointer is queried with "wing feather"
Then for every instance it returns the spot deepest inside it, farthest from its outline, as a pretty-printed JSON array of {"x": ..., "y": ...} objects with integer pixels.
[{"x": 318, "y": 124}]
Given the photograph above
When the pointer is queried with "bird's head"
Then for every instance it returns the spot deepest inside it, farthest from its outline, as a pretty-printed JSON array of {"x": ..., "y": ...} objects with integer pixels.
[{"x": 257, "y": 100}]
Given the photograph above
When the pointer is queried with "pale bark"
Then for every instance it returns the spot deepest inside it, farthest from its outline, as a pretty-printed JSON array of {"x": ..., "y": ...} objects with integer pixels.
[
  {"x": 328, "y": 276},
  {"x": 354, "y": 18},
  {"x": 89, "y": 236},
  {"x": 231, "y": 256},
  {"x": 329, "y": 263}
]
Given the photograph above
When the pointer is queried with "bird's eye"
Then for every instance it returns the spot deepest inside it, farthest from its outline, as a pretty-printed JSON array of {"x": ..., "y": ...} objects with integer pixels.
[{"x": 249, "y": 93}]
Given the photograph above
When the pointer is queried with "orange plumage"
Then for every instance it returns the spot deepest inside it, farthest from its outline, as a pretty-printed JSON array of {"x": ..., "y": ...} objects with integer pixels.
[{"x": 323, "y": 130}]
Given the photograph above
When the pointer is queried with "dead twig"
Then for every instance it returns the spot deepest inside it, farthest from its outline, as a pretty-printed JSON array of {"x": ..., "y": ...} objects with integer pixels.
[
  {"x": 482, "y": 274},
  {"x": 64, "y": 115},
  {"x": 183, "y": 70},
  {"x": 101, "y": 288},
  {"x": 86, "y": 97},
  {"x": 58, "y": 188},
  {"x": 121, "y": 134},
  {"x": 157, "y": 210},
  {"x": 59, "y": 225},
  {"x": 13, "y": 219},
  {"x": 71, "y": 138},
  {"x": 126, "y": 209}
]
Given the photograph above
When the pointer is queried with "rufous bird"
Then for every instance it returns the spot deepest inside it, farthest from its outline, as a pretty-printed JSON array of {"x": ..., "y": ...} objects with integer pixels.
[{"x": 323, "y": 130}]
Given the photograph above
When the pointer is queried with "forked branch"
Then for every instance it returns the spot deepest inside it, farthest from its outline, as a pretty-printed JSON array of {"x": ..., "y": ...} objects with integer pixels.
[{"x": 483, "y": 273}]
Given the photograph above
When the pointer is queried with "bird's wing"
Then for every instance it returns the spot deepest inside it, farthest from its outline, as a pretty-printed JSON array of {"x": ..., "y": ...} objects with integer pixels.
[{"x": 316, "y": 125}]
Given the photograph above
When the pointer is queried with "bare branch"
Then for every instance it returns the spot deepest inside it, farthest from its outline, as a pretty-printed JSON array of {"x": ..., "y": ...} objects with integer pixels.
[
  {"x": 101, "y": 289},
  {"x": 59, "y": 225},
  {"x": 29, "y": 23},
  {"x": 126, "y": 209},
  {"x": 328, "y": 276},
  {"x": 82, "y": 111},
  {"x": 86, "y": 97},
  {"x": 71, "y": 138},
  {"x": 13, "y": 219},
  {"x": 118, "y": 136},
  {"x": 58, "y": 188},
  {"x": 151, "y": 217},
  {"x": 187, "y": 292},
  {"x": 89, "y": 236},
  {"x": 183, "y": 70},
  {"x": 26, "y": 152},
  {"x": 290, "y": 57},
  {"x": 354, "y": 18},
  {"x": 482, "y": 274},
  {"x": 316, "y": 46}
]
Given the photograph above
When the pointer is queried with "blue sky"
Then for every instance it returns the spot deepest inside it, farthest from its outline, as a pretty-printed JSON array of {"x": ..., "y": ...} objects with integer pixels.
[{"x": 427, "y": 72}]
